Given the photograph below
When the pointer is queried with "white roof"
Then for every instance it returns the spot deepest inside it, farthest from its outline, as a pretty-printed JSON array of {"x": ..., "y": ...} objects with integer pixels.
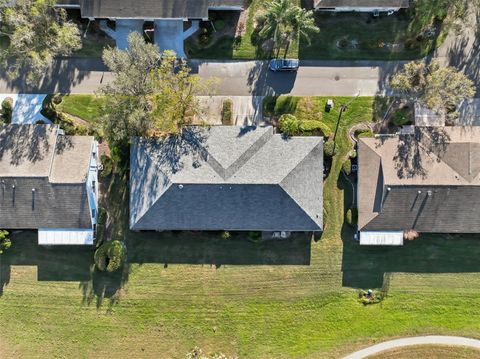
[
  {"x": 49, "y": 236},
  {"x": 376, "y": 238}
]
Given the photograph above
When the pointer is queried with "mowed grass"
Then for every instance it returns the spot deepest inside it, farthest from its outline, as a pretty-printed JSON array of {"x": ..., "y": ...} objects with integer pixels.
[
  {"x": 430, "y": 352},
  {"x": 86, "y": 107},
  {"x": 277, "y": 299}
]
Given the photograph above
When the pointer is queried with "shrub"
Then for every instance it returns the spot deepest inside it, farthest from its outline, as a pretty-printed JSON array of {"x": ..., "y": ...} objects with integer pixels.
[
  {"x": 255, "y": 236},
  {"x": 309, "y": 126},
  {"x": 7, "y": 110},
  {"x": 219, "y": 25},
  {"x": 347, "y": 167},
  {"x": 107, "y": 163},
  {"x": 227, "y": 112},
  {"x": 363, "y": 133},
  {"x": 226, "y": 235},
  {"x": 110, "y": 256},
  {"x": 269, "y": 105},
  {"x": 328, "y": 149},
  {"x": 400, "y": 118},
  {"x": 353, "y": 153},
  {"x": 289, "y": 124},
  {"x": 102, "y": 216},
  {"x": 410, "y": 235},
  {"x": 5, "y": 241},
  {"x": 351, "y": 216},
  {"x": 367, "y": 298}
]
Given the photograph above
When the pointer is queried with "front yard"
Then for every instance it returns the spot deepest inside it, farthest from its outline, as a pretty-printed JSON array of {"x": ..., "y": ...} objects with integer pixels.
[
  {"x": 342, "y": 36},
  {"x": 293, "y": 298}
]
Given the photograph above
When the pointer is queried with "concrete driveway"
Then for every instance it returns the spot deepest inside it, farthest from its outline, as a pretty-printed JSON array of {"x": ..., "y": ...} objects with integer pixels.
[
  {"x": 246, "y": 110},
  {"x": 123, "y": 28},
  {"x": 26, "y": 108},
  {"x": 169, "y": 36}
]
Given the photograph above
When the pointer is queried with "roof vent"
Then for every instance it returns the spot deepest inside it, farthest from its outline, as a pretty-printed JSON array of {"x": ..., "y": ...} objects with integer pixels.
[
  {"x": 180, "y": 186},
  {"x": 429, "y": 193},
  {"x": 419, "y": 192},
  {"x": 196, "y": 164},
  {"x": 389, "y": 189}
]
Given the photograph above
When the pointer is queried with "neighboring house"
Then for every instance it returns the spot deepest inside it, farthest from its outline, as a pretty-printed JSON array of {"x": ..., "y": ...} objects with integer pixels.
[
  {"x": 151, "y": 9},
  {"x": 227, "y": 178},
  {"x": 426, "y": 182},
  {"x": 48, "y": 181},
  {"x": 360, "y": 5}
]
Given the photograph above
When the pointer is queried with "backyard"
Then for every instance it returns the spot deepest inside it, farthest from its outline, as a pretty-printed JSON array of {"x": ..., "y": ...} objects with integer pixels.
[{"x": 295, "y": 298}]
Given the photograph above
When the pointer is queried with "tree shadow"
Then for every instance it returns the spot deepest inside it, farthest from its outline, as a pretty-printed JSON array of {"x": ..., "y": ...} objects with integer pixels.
[
  {"x": 263, "y": 82},
  {"x": 61, "y": 77}
]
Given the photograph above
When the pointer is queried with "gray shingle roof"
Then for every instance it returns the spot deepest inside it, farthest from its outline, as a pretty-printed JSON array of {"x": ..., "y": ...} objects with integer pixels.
[
  {"x": 429, "y": 181},
  {"x": 152, "y": 9},
  {"x": 56, "y": 166},
  {"x": 361, "y": 3},
  {"x": 227, "y": 178}
]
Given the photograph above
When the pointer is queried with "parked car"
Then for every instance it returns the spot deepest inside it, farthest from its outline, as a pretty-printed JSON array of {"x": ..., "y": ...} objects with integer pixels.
[{"x": 284, "y": 65}]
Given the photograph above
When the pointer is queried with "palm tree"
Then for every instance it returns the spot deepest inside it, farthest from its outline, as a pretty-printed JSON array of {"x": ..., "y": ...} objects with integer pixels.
[
  {"x": 302, "y": 24},
  {"x": 279, "y": 15}
]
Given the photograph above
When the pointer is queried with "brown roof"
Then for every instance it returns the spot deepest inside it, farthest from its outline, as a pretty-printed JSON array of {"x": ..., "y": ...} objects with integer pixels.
[{"x": 395, "y": 171}]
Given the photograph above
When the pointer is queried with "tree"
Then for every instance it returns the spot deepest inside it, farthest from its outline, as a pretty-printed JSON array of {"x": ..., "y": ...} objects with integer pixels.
[
  {"x": 5, "y": 242},
  {"x": 278, "y": 15},
  {"x": 441, "y": 89},
  {"x": 284, "y": 21},
  {"x": 152, "y": 93},
  {"x": 302, "y": 24},
  {"x": 37, "y": 32}
]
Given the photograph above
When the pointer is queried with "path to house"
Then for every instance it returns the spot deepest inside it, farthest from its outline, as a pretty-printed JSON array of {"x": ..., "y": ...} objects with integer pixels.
[
  {"x": 424, "y": 340},
  {"x": 26, "y": 108}
]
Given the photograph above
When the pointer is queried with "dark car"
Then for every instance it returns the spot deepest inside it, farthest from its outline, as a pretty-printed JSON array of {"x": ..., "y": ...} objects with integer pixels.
[{"x": 284, "y": 65}]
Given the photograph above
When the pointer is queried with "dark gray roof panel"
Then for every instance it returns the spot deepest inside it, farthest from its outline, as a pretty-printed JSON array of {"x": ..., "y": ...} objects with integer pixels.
[
  {"x": 231, "y": 175},
  {"x": 153, "y": 9},
  {"x": 437, "y": 209},
  {"x": 50, "y": 206}
]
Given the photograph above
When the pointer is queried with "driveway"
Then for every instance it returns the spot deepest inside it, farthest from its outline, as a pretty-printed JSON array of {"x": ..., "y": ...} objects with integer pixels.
[
  {"x": 123, "y": 28},
  {"x": 26, "y": 108},
  {"x": 246, "y": 110},
  {"x": 169, "y": 36},
  {"x": 425, "y": 340}
]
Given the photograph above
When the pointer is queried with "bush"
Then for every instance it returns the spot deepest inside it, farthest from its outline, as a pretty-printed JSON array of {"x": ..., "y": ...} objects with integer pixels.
[
  {"x": 7, "y": 110},
  {"x": 227, "y": 112},
  {"x": 269, "y": 105},
  {"x": 102, "y": 216},
  {"x": 328, "y": 149},
  {"x": 289, "y": 124},
  {"x": 255, "y": 236},
  {"x": 410, "y": 235},
  {"x": 226, "y": 235},
  {"x": 363, "y": 133},
  {"x": 351, "y": 216},
  {"x": 5, "y": 242},
  {"x": 107, "y": 163},
  {"x": 310, "y": 126},
  {"x": 347, "y": 167},
  {"x": 400, "y": 118},
  {"x": 367, "y": 298},
  {"x": 110, "y": 256},
  {"x": 219, "y": 25}
]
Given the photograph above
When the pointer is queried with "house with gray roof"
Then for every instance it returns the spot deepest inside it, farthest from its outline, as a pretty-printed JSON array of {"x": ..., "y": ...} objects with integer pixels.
[
  {"x": 426, "y": 182},
  {"x": 360, "y": 5},
  {"x": 227, "y": 178},
  {"x": 48, "y": 182}
]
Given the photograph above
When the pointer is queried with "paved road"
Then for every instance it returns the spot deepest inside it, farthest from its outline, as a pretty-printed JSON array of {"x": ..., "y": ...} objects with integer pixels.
[
  {"x": 237, "y": 78},
  {"x": 426, "y": 340}
]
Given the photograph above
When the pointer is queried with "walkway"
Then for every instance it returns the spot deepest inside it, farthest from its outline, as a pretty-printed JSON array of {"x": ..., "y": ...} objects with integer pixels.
[{"x": 425, "y": 340}]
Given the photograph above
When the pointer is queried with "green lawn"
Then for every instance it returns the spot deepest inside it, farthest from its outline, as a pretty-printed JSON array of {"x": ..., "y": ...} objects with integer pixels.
[
  {"x": 86, "y": 107},
  {"x": 281, "y": 299}
]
